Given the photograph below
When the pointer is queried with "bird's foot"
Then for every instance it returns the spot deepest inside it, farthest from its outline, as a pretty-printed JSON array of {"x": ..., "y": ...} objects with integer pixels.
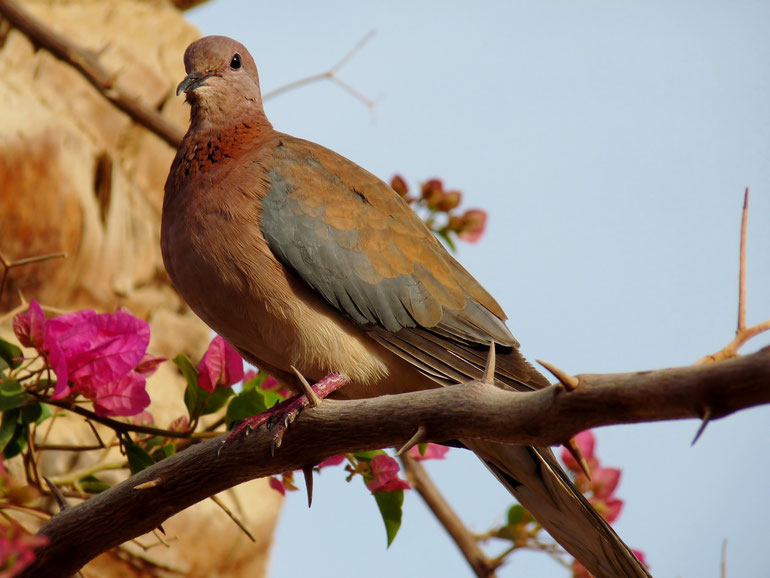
[{"x": 278, "y": 417}]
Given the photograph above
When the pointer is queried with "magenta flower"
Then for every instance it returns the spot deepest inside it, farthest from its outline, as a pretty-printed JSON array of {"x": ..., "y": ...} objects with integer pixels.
[
  {"x": 122, "y": 397},
  {"x": 277, "y": 485},
  {"x": 97, "y": 349},
  {"x": 17, "y": 549},
  {"x": 332, "y": 461},
  {"x": 604, "y": 481},
  {"x": 432, "y": 452},
  {"x": 220, "y": 366},
  {"x": 149, "y": 364},
  {"x": 95, "y": 353},
  {"x": 472, "y": 225},
  {"x": 29, "y": 327},
  {"x": 384, "y": 472}
]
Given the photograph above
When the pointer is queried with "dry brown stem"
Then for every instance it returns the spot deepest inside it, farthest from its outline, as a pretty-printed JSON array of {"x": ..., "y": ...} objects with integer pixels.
[
  {"x": 742, "y": 333},
  {"x": 419, "y": 479},
  {"x": 470, "y": 410}
]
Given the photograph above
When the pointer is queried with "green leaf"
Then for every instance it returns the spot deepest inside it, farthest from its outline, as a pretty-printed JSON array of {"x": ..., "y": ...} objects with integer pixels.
[
  {"x": 8, "y": 427},
  {"x": 11, "y": 354},
  {"x": 138, "y": 459},
  {"x": 367, "y": 456},
  {"x": 213, "y": 402},
  {"x": 46, "y": 412},
  {"x": 515, "y": 514},
  {"x": 18, "y": 440},
  {"x": 12, "y": 394},
  {"x": 169, "y": 449},
  {"x": 390, "y": 505},
  {"x": 93, "y": 485},
  {"x": 246, "y": 404},
  {"x": 197, "y": 400},
  {"x": 31, "y": 413}
]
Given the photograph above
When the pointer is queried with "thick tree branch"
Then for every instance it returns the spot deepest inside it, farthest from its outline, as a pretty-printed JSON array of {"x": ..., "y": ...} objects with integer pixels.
[
  {"x": 89, "y": 66},
  {"x": 474, "y": 409}
]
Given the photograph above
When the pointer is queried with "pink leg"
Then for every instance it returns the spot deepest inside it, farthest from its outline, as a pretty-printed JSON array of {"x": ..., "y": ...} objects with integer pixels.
[{"x": 282, "y": 414}]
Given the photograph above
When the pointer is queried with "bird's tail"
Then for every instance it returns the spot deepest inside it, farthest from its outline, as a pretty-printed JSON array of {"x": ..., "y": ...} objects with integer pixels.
[{"x": 536, "y": 480}]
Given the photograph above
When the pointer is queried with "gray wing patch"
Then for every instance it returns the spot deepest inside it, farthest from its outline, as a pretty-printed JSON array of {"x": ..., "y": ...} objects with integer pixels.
[{"x": 326, "y": 259}]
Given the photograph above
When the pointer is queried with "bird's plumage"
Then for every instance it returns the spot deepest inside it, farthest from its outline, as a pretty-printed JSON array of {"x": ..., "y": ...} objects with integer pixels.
[{"x": 299, "y": 257}]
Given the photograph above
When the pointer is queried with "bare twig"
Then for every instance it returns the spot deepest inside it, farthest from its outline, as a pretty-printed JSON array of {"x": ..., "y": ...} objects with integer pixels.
[
  {"x": 469, "y": 410},
  {"x": 482, "y": 566},
  {"x": 742, "y": 333},
  {"x": 87, "y": 63},
  {"x": 233, "y": 517},
  {"x": 331, "y": 75},
  {"x": 10, "y": 264}
]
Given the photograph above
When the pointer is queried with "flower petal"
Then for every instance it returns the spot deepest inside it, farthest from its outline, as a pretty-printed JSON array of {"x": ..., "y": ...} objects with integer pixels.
[
  {"x": 127, "y": 396},
  {"x": 220, "y": 366},
  {"x": 29, "y": 326}
]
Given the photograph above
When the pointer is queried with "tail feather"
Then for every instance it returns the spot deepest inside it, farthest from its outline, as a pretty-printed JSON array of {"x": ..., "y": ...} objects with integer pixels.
[{"x": 535, "y": 479}]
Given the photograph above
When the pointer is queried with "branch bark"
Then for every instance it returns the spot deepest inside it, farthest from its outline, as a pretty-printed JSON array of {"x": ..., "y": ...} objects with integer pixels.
[
  {"x": 474, "y": 409},
  {"x": 89, "y": 66}
]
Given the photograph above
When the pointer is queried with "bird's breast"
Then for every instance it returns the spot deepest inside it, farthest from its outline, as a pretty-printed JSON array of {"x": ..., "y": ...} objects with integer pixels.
[{"x": 223, "y": 268}]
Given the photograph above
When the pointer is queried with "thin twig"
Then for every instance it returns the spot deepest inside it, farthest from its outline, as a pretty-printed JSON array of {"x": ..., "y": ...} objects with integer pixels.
[
  {"x": 233, "y": 517},
  {"x": 331, "y": 75},
  {"x": 10, "y": 264},
  {"x": 742, "y": 267},
  {"x": 482, "y": 566},
  {"x": 742, "y": 333}
]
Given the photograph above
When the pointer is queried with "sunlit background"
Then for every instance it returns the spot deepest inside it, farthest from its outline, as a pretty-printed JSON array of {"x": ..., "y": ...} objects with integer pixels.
[{"x": 611, "y": 144}]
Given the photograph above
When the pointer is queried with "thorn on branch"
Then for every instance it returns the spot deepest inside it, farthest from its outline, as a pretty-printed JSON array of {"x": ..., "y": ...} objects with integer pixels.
[
  {"x": 418, "y": 437},
  {"x": 704, "y": 422},
  {"x": 57, "y": 495},
  {"x": 574, "y": 449},
  {"x": 312, "y": 396},
  {"x": 151, "y": 484},
  {"x": 489, "y": 370},
  {"x": 570, "y": 382},
  {"x": 307, "y": 471}
]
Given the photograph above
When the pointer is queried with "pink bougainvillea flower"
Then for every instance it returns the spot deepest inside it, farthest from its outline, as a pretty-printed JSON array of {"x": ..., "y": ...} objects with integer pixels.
[
  {"x": 272, "y": 384},
  {"x": 609, "y": 508},
  {"x": 604, "y": 481},
  {"x": 220, "y": 366},
  {"x": 127, "y": 396},
  {"x": 473, "y": 225},
  {"x": 29, "y": 326},
  {"x": 332, "y": 461},
  {"x": 277, "y": 485},
  {"x": 579, "y": 571},
  {"x": 143, "y": 418},
  {"x": 149, "y": 364},
  {"x": 17, "y": 549},
  {"x": 98, "y": 348},
  {"x": 384, "y": 472},
  {"x": 432, "y": 452},
  {"x": 640, "y": 556}
]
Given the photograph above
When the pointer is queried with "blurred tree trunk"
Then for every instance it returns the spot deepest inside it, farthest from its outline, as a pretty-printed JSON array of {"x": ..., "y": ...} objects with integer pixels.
[{"x": 77, "y": 175}]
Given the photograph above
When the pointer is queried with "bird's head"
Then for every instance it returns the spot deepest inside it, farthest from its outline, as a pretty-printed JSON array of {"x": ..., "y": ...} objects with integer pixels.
[{"x": 222, "y": 81}]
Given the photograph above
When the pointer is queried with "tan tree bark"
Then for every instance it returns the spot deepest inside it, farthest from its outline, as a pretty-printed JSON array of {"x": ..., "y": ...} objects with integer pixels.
[{"x": 78, "y": 175}]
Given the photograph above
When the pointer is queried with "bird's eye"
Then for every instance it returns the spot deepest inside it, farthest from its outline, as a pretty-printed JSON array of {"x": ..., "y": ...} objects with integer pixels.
[{"x": 235, "y": 63}]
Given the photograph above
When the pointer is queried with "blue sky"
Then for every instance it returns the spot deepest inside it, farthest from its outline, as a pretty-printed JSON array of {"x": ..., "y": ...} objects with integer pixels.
[{"x": 611, "y": 143}]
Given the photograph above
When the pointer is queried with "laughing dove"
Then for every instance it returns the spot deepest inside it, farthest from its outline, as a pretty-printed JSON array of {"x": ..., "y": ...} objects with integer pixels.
[{"x": 309, "y": 264}]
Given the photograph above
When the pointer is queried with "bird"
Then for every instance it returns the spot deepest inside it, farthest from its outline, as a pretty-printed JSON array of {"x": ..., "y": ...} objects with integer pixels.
[{"x": 314, "y": 268}]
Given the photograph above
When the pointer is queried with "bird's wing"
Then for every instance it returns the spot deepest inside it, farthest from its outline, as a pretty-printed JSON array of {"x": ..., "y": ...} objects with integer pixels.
[{"x": 350, "y": 237}]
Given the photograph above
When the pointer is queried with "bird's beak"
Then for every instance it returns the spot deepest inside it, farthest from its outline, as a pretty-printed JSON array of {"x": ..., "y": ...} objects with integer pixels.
[{"x": 192, "y": 81}]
